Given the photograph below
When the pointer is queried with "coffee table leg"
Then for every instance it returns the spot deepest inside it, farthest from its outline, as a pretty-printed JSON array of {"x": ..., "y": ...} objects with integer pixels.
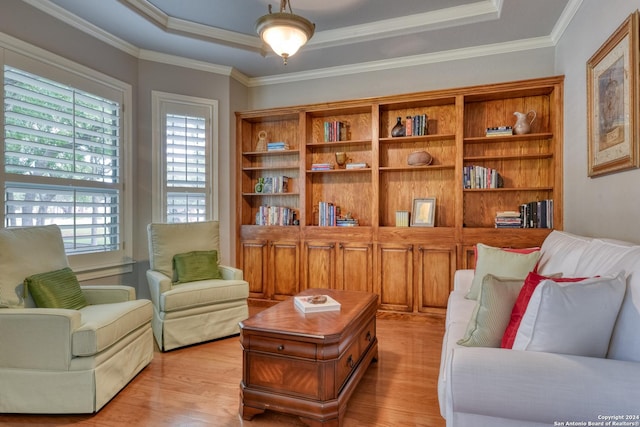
[{"x": 248, "y": 412}]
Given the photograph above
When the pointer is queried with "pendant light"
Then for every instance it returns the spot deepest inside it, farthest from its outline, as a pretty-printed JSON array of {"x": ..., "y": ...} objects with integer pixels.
[{"x": 284, "y": 31}]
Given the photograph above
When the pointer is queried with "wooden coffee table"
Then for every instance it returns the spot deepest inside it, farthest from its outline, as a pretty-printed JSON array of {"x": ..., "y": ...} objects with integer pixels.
[{"x": 307, "y": 364}]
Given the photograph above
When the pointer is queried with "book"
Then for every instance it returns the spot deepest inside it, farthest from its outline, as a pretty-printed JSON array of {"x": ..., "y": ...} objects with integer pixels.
[{"x": 306, "y": 304}]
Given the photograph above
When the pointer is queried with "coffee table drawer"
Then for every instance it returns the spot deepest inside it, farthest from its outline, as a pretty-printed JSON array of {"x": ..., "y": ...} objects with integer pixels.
[
  {"x": 352, "y": 356},
  {"x": 284, "y": 347}
]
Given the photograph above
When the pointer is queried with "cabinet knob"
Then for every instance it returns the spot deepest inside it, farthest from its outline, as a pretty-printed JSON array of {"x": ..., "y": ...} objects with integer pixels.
[
  {"x": 368, "y": 337},
  {"x": 350, "y": 362},
  {"x": 340, "y": 245},
  {"x": 280, "y": 347}
]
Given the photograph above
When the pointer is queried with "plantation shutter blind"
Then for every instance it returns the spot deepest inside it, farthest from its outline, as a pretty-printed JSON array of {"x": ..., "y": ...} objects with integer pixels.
[
  {"x": 186, "y": 168},
  {"x": 62, "y": 161}
]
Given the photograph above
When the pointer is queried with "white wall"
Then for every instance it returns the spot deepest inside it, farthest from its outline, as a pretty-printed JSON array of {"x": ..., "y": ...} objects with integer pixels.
[
  {"x": 440, "y": 75},
  {"x": 606, "y": 206}
]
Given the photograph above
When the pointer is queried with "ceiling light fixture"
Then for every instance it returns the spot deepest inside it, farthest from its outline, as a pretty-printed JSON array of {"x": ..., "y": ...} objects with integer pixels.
[{"x": 284, "y": 31}]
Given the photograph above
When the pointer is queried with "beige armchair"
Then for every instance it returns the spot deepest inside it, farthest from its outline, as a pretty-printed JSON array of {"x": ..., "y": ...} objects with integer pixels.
[
  {"x": 196, "y": 311},
  {"x": 58, "y": 360}
]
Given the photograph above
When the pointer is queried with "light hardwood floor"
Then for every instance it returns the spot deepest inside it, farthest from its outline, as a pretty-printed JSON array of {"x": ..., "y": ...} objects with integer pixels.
[{"x": 199, "y": 386}]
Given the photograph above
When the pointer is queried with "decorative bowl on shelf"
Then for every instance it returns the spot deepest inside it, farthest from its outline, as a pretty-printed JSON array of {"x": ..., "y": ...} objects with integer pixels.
[{"x": 419, "y": 158}]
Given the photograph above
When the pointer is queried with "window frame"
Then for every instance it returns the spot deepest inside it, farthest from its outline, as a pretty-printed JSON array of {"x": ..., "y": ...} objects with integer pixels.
[
  {"x": 21, "y": 55},
  {"x": 163, "y": 103}
]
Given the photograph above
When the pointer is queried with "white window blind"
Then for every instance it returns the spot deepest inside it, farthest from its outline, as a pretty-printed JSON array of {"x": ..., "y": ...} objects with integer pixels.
[
  {"x": 186, "y": 168},
  {"x": 62, "y": 161}
]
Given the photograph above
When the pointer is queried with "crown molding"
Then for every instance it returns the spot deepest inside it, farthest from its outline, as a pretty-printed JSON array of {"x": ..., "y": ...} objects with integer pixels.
[
  {"x": 565, "y": 19},
  {"x": 86, "y": 27},
  {"x": 405, "y": 25},
  {"x": 407, "y": 61}
]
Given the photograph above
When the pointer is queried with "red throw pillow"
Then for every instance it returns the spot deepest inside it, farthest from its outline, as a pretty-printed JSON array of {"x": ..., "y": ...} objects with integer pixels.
[{"x": 530, "y": 283}]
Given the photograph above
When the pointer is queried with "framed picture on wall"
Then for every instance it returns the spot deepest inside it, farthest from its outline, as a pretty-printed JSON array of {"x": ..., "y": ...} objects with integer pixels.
[
  {"x": 612, "y": 102},
  {"x": 424, "y": 212}
]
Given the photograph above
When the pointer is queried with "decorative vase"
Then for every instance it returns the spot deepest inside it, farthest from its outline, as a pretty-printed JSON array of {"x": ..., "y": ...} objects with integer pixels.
[
  {"x": 260, "y": 185},
  {"x": 398, "y": 129},
  {"x": 523, "y": 124}
]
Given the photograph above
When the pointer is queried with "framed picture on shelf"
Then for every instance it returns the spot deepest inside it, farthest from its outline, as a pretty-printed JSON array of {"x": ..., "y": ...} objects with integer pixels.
[
  {"x": 424, "y": 212},
  {"x": 612, "y": 102}
]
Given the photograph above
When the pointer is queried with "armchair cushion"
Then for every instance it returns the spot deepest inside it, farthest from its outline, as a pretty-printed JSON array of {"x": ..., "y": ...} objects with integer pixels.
[
  {"x": 196, "y": 265},
  {"x": 56, "y": 289}
]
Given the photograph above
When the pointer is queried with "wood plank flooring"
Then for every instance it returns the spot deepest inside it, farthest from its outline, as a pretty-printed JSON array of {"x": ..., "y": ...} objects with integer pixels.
[{"x": 199, "y": 386}]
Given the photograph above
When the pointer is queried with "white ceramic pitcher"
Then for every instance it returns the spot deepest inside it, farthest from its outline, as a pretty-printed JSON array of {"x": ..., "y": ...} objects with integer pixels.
[{"x": 523, "y": 124}]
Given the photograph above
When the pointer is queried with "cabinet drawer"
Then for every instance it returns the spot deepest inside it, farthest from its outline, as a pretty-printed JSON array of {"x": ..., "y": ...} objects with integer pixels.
[
  {"x": 353, "y": 355},
  {"x": 283, "y": 347}
]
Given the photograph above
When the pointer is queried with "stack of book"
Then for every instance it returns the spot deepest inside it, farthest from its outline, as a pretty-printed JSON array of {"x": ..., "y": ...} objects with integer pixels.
[
  {"x": 277, "y": 146},
  {"x": 499, "y": 131},
  {"x": 538, "y": 214},
  {"x": 274, "y": 215},
  {"x": 481, "y": 177},
  {"x": 417, "y": 125},
  {"x": 347, "y": 222},
  {"x": 360, "y": 165},
  {"x": 334, "y": 131},
  {"x": 508, "y": 219},
  {"x": 322, "y": 166},
  {"x": 275, "y": 184}
]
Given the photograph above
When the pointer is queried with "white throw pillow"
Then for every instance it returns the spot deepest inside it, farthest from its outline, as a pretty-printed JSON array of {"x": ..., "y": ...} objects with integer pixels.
[
  {"x": 572, "y": 318},
  {"x": 502, "y": 263}
]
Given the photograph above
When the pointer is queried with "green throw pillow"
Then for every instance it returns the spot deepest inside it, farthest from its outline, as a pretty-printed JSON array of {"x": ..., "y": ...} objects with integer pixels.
[
  {"x": 56, "y": 289},
  {"x": 197, "y": 265}
]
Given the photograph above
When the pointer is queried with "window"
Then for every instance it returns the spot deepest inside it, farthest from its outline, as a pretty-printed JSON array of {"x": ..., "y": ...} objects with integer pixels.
[
  {"x": 63, "y": 160},
  {"x": 185, "y": 147}
]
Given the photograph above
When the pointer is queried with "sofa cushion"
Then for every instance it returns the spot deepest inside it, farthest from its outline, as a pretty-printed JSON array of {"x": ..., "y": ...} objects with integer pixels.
[
  {"x": 572, "y": 318},
  {"x": 520, "y": 306},
  {"x": 203, "y": 292},
  {"x": 561, "y": 252},
  {"x": 42, "y": 243},
  {"x": 500, "y": 263},
  {"x": 492, "y": 312},
  {"x": 196, "y": 265},
  {"x": 105, "y": 324},
  {"x": 56, "y": 289}
]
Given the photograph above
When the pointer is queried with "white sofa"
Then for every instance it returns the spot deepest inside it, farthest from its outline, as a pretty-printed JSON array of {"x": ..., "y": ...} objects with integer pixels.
[
  {"x": 481, "y": 386},
  {"x": 56, "y": 360}
]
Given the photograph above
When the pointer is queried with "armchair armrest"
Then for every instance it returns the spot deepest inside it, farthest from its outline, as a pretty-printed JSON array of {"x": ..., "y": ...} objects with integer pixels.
[
  {"x": 105, "y": 294},
  {"x": 158, "y": 284},
  {"x": 37, "y": 338},
  {"x": 540, "y": 387},
  {"x": 230, "y": 273}
]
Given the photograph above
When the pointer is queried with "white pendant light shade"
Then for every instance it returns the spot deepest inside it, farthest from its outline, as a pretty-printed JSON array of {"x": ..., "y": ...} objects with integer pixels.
[{"x": 284, "y": 32}]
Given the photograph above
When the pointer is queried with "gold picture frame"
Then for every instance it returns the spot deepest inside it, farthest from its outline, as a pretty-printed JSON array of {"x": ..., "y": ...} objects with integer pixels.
[
  {"x": 424, "y": 212},
  {"x": 612, "y": 102}
]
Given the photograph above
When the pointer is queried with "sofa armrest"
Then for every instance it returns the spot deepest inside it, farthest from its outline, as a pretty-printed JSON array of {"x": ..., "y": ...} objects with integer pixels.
[
  {"x": 105, "y": 294},
  {"x": 230, "y": 273},
  {"x": 539, "y": 387},
  {"x": 37, "y": 338},
  {"x": 462, "y": 280}
]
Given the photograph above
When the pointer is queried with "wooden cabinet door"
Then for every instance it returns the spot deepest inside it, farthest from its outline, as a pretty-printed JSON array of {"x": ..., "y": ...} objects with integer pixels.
[
  {"x": 284, "y": 268},
  {"x": 254, "y": 266},
  {"x": 435, "y": 267},
  {"x": 394, "y": 276},
  {"x": 354, "y": 266},
  {"x": 319, "y": 264}
]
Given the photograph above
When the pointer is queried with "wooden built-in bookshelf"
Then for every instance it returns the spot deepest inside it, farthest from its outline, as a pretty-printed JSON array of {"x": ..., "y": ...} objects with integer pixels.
[{"x": 410, "y": 268}]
